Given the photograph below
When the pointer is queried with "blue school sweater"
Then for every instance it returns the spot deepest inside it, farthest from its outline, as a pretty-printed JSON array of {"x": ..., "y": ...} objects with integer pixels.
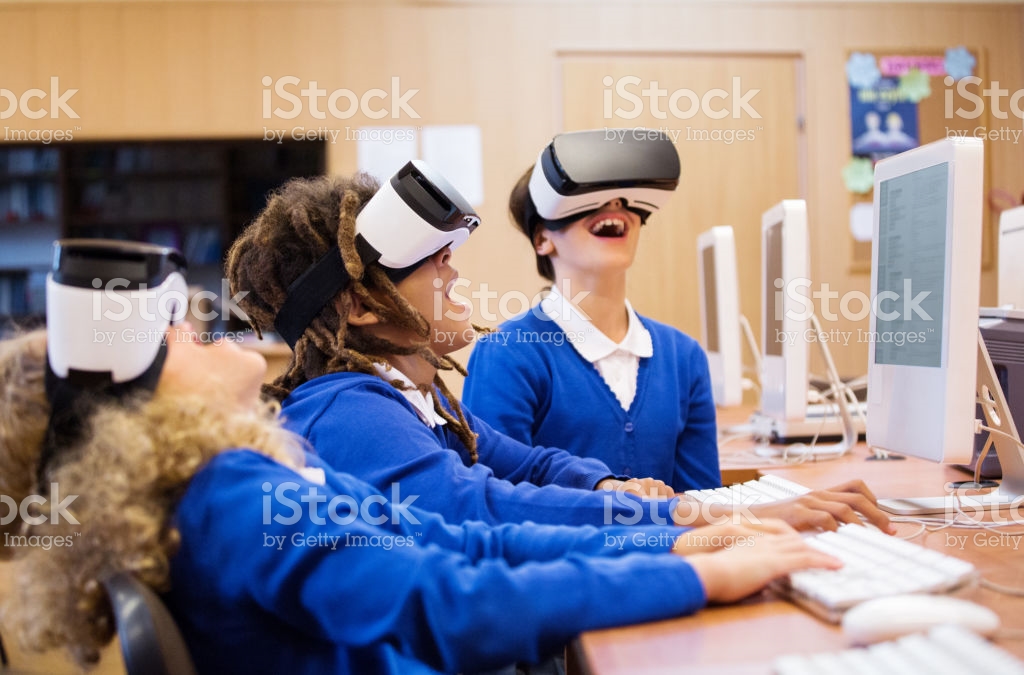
[
  {"x": 528, "y": 381},
  {"x": 264, "y": 582},
  {"x": 363, "y": 426}
]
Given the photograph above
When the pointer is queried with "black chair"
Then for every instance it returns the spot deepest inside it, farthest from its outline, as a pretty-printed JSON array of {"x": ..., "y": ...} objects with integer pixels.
[{"x": 151, "y": 643}]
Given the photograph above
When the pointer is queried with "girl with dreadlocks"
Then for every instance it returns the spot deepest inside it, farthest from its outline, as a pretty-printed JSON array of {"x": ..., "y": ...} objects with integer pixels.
[
  {"x": 255, "y": 584},
  {"x": 334, "y": 272}
]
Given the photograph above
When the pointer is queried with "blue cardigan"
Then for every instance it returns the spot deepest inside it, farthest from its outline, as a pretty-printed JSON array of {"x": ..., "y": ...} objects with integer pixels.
[
  {"x": 529, "y": 382},
  {"x": 264, "y": 582},
  {"x": 363, "y": 426}
]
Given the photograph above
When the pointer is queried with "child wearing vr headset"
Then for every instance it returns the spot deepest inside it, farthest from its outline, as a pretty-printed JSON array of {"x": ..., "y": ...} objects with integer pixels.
[
  {"x": 627, "y": 390},
  {"x": 176, "y": 473}
]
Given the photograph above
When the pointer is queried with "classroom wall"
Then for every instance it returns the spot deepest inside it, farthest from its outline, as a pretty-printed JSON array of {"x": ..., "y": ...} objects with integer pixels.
[{"x": 186, "y": 69}]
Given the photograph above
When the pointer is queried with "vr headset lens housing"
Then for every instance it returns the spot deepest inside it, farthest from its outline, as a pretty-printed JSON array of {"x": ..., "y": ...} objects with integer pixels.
[
  {"x": 578, "y": 172},
  {"x": 412, "y": 216},
  {"x": 108, "y": 307}
]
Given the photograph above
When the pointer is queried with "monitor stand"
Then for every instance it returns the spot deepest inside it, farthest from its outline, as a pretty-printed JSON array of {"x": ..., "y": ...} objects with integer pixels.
[
  {"x": 748, "y": 383},
  {"x": 748, "y": 335},
  {"x": 765, "y": 427},
  {"x": 1010, "y": 493}
]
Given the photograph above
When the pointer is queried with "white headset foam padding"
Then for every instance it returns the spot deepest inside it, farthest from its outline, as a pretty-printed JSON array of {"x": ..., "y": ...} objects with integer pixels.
[{"x": 110, "y": 331}]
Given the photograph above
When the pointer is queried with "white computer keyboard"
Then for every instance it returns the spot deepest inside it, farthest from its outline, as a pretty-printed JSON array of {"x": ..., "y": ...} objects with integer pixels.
[
  {"x": 944, "y": 650},
  {"x": 765, "y": 489},
  {"x": 875, "y": 565}
]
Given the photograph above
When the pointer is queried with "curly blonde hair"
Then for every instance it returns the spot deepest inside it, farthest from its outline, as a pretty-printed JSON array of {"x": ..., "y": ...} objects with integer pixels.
[{"x": 133, "y": 465}]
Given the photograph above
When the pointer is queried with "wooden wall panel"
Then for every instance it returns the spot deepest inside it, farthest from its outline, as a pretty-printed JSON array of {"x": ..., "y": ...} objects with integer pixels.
[{"x": 194, "y": 69}]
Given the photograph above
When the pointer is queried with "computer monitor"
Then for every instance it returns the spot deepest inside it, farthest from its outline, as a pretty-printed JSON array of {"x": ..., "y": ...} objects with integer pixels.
[
  {"x": 720, "y": 313},
  {"x": 785, "y": 271},
  {"x": 1011, "y": 252},
  {"x": 925, "y": 283}
]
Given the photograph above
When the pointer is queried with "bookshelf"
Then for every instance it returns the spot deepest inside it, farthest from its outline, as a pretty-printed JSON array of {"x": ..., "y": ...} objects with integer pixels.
[{"x": 195, "y": 195}]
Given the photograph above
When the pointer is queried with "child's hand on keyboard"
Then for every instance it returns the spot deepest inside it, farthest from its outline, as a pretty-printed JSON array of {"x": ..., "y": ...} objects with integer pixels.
[
  {"x": 713, "y": 538},
  {"x": 645, "y": 487},
  {"x": 733, "y": 574},
  {"x": 826, "y": 509}
]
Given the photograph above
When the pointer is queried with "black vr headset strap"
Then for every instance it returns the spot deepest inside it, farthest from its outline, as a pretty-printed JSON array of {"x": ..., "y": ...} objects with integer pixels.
[
  {"x": 74, "y": 398},
  {"x": 314, "y": 288}
]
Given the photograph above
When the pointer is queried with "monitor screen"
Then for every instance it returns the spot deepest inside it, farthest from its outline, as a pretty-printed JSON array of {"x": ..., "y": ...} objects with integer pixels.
[
  {"x": 710, "y": 299},
  {"x": 774, "y": 305},
  {"x": 911, "y": 268}
]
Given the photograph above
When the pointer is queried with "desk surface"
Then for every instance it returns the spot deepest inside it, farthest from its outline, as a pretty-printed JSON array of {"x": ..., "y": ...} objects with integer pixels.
[{"x": 745, "y": 638}]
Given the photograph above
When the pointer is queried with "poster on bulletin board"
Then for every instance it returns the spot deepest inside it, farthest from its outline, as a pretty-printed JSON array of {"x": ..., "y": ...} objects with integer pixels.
[
  {"x": 898, "y": 101},
  {"x": 883, "y": 120}
]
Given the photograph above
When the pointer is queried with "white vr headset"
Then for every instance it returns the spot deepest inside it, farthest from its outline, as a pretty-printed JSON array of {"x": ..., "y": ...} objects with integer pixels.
[
  {"x": 108, "y": 307},
  {"x": 580, "y": 171},
  {"x": 412, "y": 216}
]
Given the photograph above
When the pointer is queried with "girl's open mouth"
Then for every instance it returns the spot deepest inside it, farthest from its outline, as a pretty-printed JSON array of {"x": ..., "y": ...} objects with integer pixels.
[{"x": 611, "y": 227}]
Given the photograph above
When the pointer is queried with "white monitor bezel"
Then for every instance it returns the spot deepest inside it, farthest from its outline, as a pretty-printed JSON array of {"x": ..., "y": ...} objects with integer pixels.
[
  {"x": 784, "y": 378},
  {"x": 1011, "y": 252},
  {"x": 726, "y": 365},
  {"x": 923, "y": 411}
]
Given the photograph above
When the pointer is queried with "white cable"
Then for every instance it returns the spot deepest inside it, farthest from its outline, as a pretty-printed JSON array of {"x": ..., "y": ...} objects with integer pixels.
[
  {"x": 999, "y": 588},
  {"x": 748, "y": 333},
  {"x": 981, "y": 458},
  {"x": 910, "y": 536},
  {"x": 749, "y": 384},
  {"x": 734, "y": 437},
  {"x": 1002, "y": 433}
]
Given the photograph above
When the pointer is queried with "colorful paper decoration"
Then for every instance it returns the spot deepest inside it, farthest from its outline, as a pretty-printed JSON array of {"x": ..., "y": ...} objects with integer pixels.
[
  {"x": 915, "y": 85},
  {"x": 894, "y": 66},
  {"x": 859, "y": 175},
  {"x": 959, "y": 63},
  {"x": 862, "y": 71}
]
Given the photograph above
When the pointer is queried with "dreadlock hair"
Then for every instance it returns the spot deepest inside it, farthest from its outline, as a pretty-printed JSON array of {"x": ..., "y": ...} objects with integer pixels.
[{"x": 302, "y": 221}]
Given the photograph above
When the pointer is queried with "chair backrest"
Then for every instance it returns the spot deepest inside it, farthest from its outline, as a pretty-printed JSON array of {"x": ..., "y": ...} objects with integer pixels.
[{"x": 150, "y": 641}]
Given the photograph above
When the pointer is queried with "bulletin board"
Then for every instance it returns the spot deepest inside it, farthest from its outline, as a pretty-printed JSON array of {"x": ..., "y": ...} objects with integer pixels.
[{"x": 900, "y": 99}]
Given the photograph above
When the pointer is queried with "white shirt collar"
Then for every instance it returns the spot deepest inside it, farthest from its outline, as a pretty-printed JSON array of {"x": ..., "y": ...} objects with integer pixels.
[
  {"x": 423, "y": 403},
  {"x": 591, "y": 343}
]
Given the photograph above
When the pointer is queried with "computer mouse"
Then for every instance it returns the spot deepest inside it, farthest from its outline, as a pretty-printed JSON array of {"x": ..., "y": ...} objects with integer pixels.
[{"x": 898, "y": 615}]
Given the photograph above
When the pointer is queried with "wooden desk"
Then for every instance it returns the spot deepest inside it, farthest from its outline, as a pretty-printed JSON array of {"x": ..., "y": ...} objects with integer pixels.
[{"x": 745, "y": 638}]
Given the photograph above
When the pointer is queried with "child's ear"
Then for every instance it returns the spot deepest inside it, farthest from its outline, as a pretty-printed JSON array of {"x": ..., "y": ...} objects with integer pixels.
[
  {"x": 358, "y": 313},
  {"x": 542, "y": 242}
]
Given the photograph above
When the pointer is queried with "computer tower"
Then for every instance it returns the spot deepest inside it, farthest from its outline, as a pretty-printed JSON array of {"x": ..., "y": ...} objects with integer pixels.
[{"x": 1004, "y": 339}]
